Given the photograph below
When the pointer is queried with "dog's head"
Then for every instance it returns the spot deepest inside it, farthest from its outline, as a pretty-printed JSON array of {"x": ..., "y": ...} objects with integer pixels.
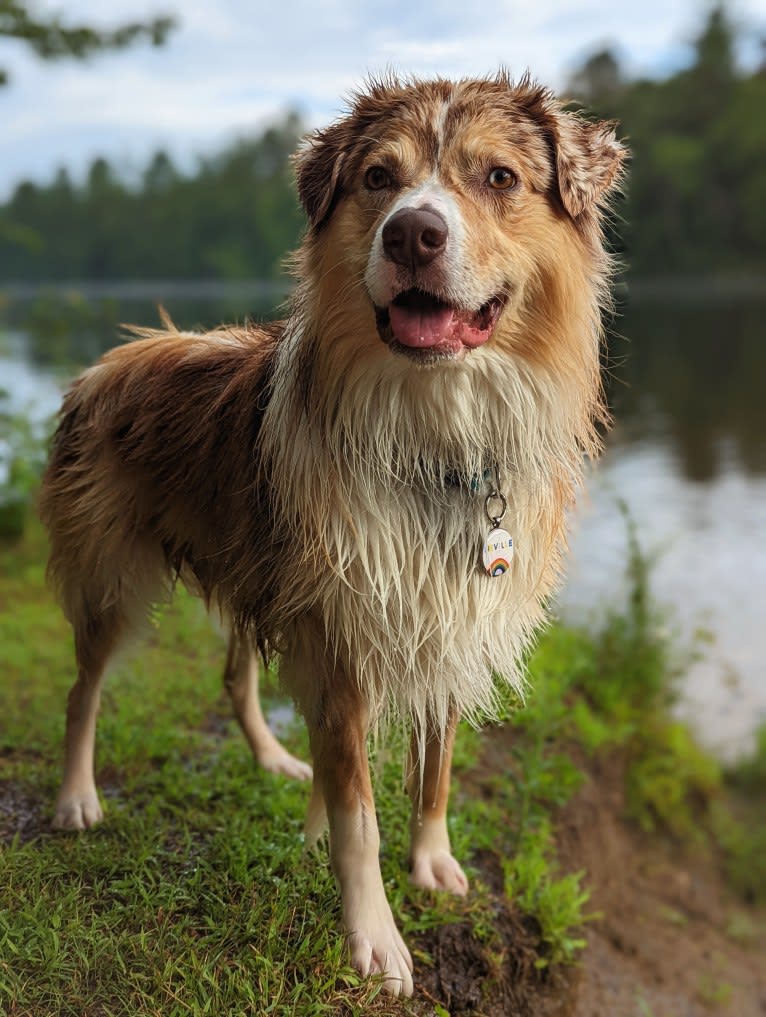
[{"x": 445, "y": 215}]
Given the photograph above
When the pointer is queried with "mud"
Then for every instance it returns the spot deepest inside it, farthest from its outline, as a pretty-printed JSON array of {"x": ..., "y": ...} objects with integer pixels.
[{"x": 21, "y": 814}]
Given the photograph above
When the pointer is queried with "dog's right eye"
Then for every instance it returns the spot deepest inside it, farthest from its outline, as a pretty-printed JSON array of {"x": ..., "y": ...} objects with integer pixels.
[{"x": 377, "y": 178}]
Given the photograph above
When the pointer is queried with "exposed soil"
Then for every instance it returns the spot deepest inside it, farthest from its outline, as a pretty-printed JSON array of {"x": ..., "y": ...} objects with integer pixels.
[
  {"x": 672, "y": 941},
  {"x": 20, "y": 814},
  {"x": 466, "y": 978},
  {"x": 666, "y": 944}
]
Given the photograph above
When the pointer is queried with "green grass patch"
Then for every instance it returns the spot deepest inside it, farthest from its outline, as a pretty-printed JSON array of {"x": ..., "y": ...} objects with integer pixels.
[{"x": 197, "y": 896}]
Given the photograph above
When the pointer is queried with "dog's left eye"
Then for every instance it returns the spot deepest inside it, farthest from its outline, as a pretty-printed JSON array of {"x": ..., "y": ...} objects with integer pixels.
[
  {"x": 502, "y": 179},
  {"x": 376, "y": 178}
]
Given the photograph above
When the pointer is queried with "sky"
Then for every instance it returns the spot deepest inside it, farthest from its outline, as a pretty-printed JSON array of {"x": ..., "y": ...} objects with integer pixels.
[{"x": 232, "y": 66}]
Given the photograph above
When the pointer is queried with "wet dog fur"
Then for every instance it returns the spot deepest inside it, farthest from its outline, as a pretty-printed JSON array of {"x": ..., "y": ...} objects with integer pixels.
[{"x": 321, "y": 482}]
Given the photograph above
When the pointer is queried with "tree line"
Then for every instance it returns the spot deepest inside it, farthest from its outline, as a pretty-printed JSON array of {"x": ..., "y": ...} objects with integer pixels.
[
  {"x": 234, "y": 217},
  {"x": 696, "y": 198},
  {"x": 695, "y": 202}
]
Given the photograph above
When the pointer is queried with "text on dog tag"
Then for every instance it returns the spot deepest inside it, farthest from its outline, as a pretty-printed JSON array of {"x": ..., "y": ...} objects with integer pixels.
[{"x": 497, "y": 552}]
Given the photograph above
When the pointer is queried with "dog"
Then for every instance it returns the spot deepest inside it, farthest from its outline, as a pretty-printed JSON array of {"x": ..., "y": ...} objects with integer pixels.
[{"x": 375, "y": 488}]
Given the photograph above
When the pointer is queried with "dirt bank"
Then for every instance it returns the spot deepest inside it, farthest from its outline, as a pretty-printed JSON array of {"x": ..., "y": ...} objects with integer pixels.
[{"x": 671, "y": 940}]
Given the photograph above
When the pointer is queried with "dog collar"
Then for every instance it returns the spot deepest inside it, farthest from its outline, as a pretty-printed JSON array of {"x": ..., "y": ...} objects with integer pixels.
[
  {"x": 474, "y": 483},
  {"x": 497, "y": 548}
]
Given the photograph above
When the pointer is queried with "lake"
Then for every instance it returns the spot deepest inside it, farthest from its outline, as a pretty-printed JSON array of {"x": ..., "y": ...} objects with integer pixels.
[{"x": 687, "y": 454}]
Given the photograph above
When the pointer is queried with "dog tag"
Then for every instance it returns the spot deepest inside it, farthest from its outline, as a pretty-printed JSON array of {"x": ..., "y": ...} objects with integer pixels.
[{"x": 498, "y": 552}]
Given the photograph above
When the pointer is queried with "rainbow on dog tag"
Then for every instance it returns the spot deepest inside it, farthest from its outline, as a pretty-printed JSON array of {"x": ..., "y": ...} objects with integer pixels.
[{"x": 498, "y": 552}]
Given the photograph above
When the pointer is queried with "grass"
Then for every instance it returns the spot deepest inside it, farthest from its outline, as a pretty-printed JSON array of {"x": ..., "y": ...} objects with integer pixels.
[{"x": 196, "y": 895}]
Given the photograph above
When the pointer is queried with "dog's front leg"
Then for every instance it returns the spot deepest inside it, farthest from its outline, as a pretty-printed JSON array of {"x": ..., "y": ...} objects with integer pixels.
[
  {"x": 339, "y": 746},
  {"x": 432, "y": 864}
]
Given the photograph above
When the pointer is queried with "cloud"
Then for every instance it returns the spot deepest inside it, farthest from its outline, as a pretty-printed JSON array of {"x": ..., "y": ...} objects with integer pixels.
[{"x": 233, "y": 64}]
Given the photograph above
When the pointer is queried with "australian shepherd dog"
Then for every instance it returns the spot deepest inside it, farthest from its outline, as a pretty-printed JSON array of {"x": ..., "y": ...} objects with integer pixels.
[{"x": 374, "y": 489}]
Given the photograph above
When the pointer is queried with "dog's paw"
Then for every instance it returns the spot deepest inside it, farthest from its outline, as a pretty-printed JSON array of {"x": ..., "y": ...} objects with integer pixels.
[
  {"x": 278, "y": 760},
  {"x": 438, "y": 870},
  {"x": 376, "y": 945},
  {"x": 382, "y": 951},
  {"x": 77, "y": 811},
  {"x": 432, "y": 864}
]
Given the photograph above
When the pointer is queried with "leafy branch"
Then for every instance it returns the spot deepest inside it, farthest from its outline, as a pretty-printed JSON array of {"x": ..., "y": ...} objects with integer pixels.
[{"x": 51, "y": 39}]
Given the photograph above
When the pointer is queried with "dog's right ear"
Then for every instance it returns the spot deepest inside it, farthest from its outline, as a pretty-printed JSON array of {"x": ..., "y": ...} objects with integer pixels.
[{"x": 318, "y": 165}]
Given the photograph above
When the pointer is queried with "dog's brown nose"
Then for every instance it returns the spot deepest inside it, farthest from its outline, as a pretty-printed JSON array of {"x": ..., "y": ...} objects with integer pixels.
[{"x": 413, "y": 237}]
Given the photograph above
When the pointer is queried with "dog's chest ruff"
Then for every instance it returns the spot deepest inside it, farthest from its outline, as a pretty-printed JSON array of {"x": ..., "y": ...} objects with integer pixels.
[
  {"x": 405, "y": 602},
  {"x": 390, "y": 569}
]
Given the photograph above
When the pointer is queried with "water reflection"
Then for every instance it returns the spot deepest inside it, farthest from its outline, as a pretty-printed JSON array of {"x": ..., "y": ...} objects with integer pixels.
[
  {"x": 692, "y": 378},
  {"x": 707, "y": 543},
  {"x": 68, "y": 329},
  {"x": 688, "y": 455}
]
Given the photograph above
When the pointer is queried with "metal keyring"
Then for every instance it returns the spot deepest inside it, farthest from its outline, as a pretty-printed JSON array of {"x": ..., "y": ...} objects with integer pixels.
[{"x": 495, "y": 496}]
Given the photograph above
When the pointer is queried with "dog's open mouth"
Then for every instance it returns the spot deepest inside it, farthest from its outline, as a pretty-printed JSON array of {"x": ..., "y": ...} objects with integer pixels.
[{"x": 418, "y": 321}]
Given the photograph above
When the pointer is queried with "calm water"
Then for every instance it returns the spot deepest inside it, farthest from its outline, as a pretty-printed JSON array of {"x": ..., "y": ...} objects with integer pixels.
[{"x": 688, "y": 455}]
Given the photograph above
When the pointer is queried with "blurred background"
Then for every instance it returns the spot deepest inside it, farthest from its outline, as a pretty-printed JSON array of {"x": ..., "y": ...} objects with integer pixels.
[{"x": 144, "y": 160}]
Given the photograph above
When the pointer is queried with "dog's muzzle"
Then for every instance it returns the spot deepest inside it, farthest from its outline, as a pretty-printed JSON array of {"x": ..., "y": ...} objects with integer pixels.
[{"x": 418, "y": 319}]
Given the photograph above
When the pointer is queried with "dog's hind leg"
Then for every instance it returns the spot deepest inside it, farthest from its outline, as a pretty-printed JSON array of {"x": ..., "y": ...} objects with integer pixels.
[
  {"x": 432, "y": 864},
  {"x": 96, "y": 638},
  {"x": 241, "y": 681}
]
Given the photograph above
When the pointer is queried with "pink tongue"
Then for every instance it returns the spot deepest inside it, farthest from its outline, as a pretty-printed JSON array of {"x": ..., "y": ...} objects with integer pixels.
[{"x": 421, "y": 329}]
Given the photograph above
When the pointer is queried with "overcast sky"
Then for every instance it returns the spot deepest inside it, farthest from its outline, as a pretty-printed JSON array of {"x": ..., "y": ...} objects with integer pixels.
[{"x": 233, "y": 65}]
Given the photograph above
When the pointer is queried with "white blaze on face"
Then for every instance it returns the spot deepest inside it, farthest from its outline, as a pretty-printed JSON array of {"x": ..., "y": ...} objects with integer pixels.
[
  {"x": 444, "y": 296},
  {"x": 384, "y": 277},
  {"x": 439, "y": 122},
  {"x": 448, "y": 276},
  {"x": 452, "y": 276}
]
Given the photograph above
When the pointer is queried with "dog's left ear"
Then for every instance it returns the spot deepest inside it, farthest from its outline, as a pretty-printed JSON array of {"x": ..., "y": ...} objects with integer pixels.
[
  {"x": 588, "y": 158},
  {"x": 589, "y": 161},
  {"x": 318, "y": 166}
]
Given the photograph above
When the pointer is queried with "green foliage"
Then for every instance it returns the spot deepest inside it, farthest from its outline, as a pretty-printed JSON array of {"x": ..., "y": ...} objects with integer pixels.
[
  {"x": 22, "y": 458},
  {"x": 619, "y": 694},
  {"x": 695, "y": 201},
  {"x": 669, "y": 778},
  {"x": 69, "y": 330},
  {"x": 748, "y": 775},
  {"x": 555, "y": 901},
  {"x": 739, "y": 823},
  {"x": 614, "y": 690},
  {"x": 51, "y": 39},
  {"x": 740, "y": 829},
  {"x": 670, "y": 782},
  {"x": 713, "y": 988},
  {"x": 634, "y": 671}
]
